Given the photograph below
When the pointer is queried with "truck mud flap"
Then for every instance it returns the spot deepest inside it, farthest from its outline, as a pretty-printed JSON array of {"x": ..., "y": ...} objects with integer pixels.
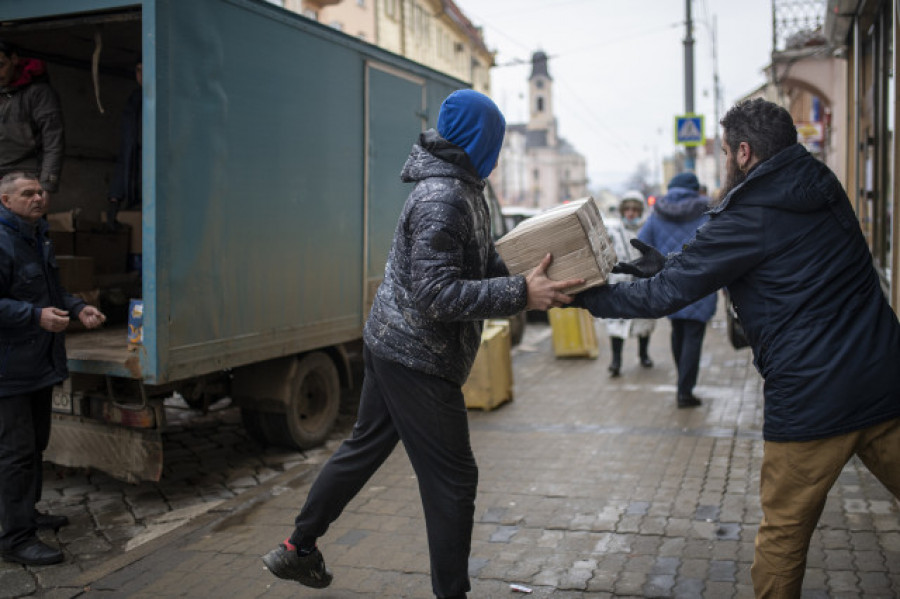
[{"x": 128, "y": 454}]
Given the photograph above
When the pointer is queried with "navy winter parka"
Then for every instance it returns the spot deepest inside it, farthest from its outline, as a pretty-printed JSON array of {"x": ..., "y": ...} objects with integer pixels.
[
  {"x": 787, "y": 245},
  {"x": 674, "y": 221},
  {"x": 443, "y": 275},
  {"x": 31, "y": 358}
]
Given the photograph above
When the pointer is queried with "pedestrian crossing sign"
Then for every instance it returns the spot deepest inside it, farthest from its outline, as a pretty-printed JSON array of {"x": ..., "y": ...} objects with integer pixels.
[{"x": 689, "y": 130}]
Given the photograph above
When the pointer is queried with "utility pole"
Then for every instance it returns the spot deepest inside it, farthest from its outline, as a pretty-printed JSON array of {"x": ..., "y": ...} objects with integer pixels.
[
  {"x": 717, "y": 99},
  {"x": 689, "y": 78}
]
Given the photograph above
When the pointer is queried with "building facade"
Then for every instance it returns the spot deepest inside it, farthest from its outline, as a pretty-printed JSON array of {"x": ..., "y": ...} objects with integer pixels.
[
  {"x": 435, "y": 33},
  {"x": 538, "y": 168}
]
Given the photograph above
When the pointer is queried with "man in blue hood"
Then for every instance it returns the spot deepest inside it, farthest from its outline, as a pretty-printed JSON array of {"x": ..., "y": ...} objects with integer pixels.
[
  {"x": 675, "y": 219},
  {"x": 442, "y": 279},
  {"x": 786, "y": 243}
]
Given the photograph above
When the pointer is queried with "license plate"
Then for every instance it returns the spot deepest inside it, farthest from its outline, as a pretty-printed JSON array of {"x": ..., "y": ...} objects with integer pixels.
[{"x": 62, "y": 400}]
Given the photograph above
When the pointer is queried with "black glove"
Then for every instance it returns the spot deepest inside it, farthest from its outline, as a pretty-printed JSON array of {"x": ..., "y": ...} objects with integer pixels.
[{"x": 650, "y": 262}]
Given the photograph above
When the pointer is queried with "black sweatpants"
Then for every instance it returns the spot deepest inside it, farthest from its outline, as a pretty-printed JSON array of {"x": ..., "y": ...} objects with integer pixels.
[
  {"x": 687, "y": 341},
  {"x": 24, "y": 434},
  {"x": 428, "y": 414}
]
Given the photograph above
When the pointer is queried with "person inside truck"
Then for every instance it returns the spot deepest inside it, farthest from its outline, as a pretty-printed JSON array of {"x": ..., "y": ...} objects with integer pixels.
[
  {"x": 32, "y": 137},
  {"x": 34, "y": 312},
  {"x": 442, "y": 279},
  {"x": 125, "y": 185}
]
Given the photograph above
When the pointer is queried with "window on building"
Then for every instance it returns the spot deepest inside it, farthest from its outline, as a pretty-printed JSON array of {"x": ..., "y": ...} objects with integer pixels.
[
  {"x": 539, "y": 84},
  {"x": 540, "y": 104},
  {"x": 390, "y": 8},
  {"x": 537, "y": 175}
]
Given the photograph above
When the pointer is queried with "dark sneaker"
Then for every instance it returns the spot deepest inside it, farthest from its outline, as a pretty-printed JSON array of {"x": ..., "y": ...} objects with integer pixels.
[
  {"x": 49, "y": 521},
  {"x": 309, "y": 570},
  {"x": 688, "y": 401},
  {"x": 33, "y": 553}
]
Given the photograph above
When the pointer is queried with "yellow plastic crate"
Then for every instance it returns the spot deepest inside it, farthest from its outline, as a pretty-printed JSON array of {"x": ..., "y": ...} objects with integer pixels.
[
  {"x": 490, "y": 382},
  {"x": 574, "y": 335}
]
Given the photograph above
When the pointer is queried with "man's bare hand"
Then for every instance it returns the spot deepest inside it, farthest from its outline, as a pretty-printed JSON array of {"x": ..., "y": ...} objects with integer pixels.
[
  {"x": 545, "y": 293},
  {"x": 54, "y": 319},
  {"x": 91, "y": 317}
]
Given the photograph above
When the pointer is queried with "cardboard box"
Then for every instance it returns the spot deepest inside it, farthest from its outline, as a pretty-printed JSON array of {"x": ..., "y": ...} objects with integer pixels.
[
  {"x": 574, "y": 233},
  {"x": 574, "y": 333},
  {"x": 134, "y": 220},
  {"x": 490, "y": 382},
  {"x": 109, "y": 249},
  {"x": 76, "y": 273},
  {"x": 63, "y": 222},
  {"x": 63, "y": 242}
]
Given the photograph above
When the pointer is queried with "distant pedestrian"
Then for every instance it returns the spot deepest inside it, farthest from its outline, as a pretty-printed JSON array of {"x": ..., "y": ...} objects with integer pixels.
[
  {"x": 631, "y": 212},
  {"x": 676, "y": 217},
  {"x": 443, "y": 278},
  {"x": 786, "y": 243},
  {"x": 34, "y": 312}
]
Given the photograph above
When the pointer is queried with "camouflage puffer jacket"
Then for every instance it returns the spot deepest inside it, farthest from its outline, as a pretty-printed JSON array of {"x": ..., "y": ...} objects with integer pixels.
[{"x": 443, "y": 275}]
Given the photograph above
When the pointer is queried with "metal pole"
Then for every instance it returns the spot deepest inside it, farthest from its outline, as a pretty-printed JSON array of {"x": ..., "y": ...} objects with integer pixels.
[
  {"x": 689, "y": 78},
  {"x": 717, "y": 99}
]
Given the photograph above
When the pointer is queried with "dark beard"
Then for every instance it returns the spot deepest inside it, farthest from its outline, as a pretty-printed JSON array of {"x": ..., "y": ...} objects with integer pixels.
[{"x": 733, "y": 178}]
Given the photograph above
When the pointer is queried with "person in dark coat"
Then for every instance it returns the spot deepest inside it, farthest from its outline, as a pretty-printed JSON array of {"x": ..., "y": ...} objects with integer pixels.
[
  {"x": 675, "y": 219},
  {"x": 786, "y": 244},
  {"x": 442, "y": 279},
  {"x": 125, "y": 185},
  {"x": 34, "y": 312},
  {"x": 31, "y": 135}
]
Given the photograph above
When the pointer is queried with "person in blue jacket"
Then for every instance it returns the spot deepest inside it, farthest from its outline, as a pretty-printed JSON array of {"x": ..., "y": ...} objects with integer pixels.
[
  {"x": 786, "y": 243},
  {"x": 442, "y": 279},
  {"x": 34, "y": 312},
  {"x": 675, "y": 219}
]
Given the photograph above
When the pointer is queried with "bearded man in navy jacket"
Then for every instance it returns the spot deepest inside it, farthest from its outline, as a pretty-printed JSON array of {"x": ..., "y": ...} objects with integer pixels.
[{"x": 786, "y": 243}]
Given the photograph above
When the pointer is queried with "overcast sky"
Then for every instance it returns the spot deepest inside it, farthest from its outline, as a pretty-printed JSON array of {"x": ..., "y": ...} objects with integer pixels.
[{"x": 618, "y": 68}]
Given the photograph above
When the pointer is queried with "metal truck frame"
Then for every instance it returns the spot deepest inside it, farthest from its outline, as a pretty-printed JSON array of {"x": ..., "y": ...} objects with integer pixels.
[{"x": 272, "y": 147}]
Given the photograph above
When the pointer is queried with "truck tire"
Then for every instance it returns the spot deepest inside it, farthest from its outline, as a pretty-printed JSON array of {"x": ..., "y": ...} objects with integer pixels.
[{"x": 312, "y": 408}]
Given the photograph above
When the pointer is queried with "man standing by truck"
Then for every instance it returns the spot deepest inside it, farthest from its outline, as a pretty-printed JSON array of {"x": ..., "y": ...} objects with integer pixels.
[
  {"x": 31, "y": 135},
  {"x": 34, "y": 312},
  {"x": 443, "y": 278}
]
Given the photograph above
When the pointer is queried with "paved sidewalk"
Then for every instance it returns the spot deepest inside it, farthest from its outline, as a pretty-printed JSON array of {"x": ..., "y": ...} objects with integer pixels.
[{"x": 589, "y": 487}]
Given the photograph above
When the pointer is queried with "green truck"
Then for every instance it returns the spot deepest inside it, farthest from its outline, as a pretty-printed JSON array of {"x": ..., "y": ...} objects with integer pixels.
[{"x": 271, "y": 153}]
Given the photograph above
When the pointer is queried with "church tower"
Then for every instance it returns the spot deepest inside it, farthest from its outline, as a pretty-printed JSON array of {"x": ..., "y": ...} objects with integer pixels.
[{"x": 540, "y": 95}]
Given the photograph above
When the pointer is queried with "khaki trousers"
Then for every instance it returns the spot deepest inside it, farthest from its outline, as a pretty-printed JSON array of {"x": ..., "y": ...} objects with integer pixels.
[{"x": 794, "y": 483}]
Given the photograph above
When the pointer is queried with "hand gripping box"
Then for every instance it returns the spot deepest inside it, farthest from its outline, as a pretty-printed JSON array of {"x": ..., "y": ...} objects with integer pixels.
[{"x": 574, "y": 233}]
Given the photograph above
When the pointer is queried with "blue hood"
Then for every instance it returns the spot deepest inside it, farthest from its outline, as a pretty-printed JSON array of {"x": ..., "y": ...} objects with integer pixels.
[
  {"x": 681, "y": 205},
  {"x": 473, "y": 122}
]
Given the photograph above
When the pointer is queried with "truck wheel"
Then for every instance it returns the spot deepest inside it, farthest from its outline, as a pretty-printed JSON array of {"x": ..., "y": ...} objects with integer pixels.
[{"x": 312, "y": 407}]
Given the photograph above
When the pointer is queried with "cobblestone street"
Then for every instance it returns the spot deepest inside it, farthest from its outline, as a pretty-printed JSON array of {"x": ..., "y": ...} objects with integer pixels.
[
  {"x": 209, "y": 458},
  {"x": 590, "y": 487}
]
